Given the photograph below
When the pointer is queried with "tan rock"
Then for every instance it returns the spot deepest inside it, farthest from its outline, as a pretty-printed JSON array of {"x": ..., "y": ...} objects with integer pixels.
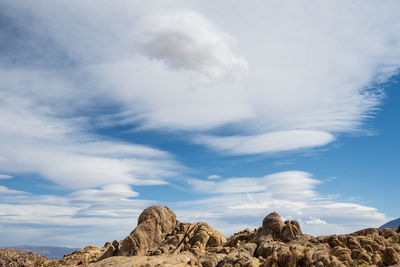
[
  {"x": 161, "y": 240},
  {"x": 343, "y": 254},
  {"x": 196, "y": 237},
  {"x": 78, "y": 258},
  {"x": 182, "y": 260},
  {"x": 16, "y": 258},
  {"x": 242, "y": 236},
  {"x": 211, "y": 259},
  {"x": 390, "y": 256},
  {"x": 272, "y": 226},
  {"x": 153, "y": 225}
]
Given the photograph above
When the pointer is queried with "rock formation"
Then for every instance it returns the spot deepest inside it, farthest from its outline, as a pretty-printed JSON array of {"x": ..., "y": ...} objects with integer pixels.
[
  {"x": 17, "y": 258},
  {"x": 161, "y": 240}
]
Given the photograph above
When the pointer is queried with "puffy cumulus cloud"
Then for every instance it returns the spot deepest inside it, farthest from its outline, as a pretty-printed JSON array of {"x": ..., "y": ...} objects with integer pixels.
[
  {"x": 85, "y": 216},
  {"x": 269, "y": 142},
  {"x": 189, "y": 41},
  {"x": 293, "y": 194}
]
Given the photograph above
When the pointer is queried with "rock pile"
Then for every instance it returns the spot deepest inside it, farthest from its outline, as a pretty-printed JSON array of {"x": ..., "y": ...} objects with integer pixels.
[
  {"x": 16, "y": 258},
  {"x": 161, "y": 240}
]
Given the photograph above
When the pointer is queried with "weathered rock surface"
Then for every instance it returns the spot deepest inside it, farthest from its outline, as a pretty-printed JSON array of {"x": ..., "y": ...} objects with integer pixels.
[
  {"x": 78, "y": 258},
  {"x": 154, "y": 224},
  {"x": 161, "y": 240},
  {"x": 180, "y": 260},
  {"x": 16, "y": 258}
]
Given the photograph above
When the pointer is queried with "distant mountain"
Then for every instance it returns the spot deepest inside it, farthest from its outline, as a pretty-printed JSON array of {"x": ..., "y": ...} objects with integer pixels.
[
  {"x": 49, "y": 252},
  {"x": 392, "y": 224}
]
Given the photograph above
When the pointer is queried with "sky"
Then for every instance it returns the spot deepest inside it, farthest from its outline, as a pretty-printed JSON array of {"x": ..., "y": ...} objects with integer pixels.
[{"x": 223, "y": 111}]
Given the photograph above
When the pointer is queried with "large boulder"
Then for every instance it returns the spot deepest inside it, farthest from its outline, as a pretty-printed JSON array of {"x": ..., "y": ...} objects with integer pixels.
[
  {"x": 153, "y": 225},
  {"x": 390, "y": 256},
  {"x": 275, "y": 229},
  {"x": 196, "y": 237}
]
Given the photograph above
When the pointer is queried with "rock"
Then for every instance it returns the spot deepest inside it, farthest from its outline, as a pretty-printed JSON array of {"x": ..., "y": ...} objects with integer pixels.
[
  {"x": 241, "y": 256},
  {"x": 376, "y": 258},
  {"x": 242, "y": 236},
  {"x": 333, "y": 241},
  {"x": 211, "y": 259},
  {"x": 182, "y": 260},
  {"x": 290, "y": 230},
  {"x": 343, "y": 254},
  {"x": 78, "y": 258},
  {"x": 390, "y": 256},
  {"x": 272, "y": 226},
  {"x": 16, "y": 258},
  {"x": 367, "y": 232},
  {"x": 196, "y": 237},
  {"x": 153, "y": 225},
  {"x": 160, "y": 240}
]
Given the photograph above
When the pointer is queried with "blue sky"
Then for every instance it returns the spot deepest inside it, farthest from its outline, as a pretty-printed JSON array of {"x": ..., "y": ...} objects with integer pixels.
[{"x": 223, "y": 111}]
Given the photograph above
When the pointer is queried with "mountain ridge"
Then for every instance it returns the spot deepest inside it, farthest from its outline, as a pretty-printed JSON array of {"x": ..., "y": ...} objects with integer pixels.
[{"x": 394, "y": 224}]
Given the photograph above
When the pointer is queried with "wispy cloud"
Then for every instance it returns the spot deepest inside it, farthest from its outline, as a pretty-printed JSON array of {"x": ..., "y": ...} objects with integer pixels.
[
  {"x": 284, "y": 77},
  {"x": 269, "y": 142},
  {"x": 88, "y": 216},
  {"x": 36, "y": 138},
  {"x": 300, "y": 75},
  {"x": 213, "y": 177},
  {"x": 293, "y": 194},
  {"x": 97, "y": 215}
]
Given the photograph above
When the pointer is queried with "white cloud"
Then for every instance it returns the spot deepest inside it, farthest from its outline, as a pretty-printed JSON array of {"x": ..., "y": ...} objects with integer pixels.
[
  {"x": 187, "y": 40},
  {"x": 283, "y": 185},
  {"x": 293, "y": 194},
  {"x": 214, "y": 177},
  {"x": 270, "y": 75},
  {"x": 38, "y": 139},
  {"x": 5, "y": 176},
  {"x": 107, "y": 193},
  {"x": 285, "y": 76},
  {"x": 269, "y": 142},
  {"x": 6, "y": 191},
  {"x": 78, "y": 219},
  {"x": 314, "y": 221},
  {"x": 97, "y": 215}
]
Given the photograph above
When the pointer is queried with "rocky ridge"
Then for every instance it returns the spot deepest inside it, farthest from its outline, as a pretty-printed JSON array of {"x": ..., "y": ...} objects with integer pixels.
[
  {"x": 161, "y": 240},
  {"x": 16, "y": 258}
]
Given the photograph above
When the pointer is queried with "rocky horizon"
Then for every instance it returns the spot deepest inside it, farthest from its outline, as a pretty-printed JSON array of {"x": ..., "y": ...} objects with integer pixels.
[{"x": 159, "y": 239}]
